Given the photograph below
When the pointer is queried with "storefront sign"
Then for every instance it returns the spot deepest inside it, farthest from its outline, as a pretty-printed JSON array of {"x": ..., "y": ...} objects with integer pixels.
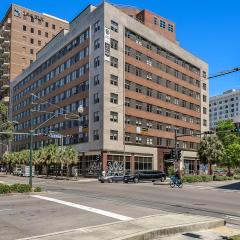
[
  {"x": 19, "y": 13},
  {"x": 107, "y": 44}
]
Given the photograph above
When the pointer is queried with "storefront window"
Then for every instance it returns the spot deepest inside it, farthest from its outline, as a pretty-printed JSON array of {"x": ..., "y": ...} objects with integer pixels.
[
  {"x": 143, "y": 163},
  {"x": 115, "y": 163}
]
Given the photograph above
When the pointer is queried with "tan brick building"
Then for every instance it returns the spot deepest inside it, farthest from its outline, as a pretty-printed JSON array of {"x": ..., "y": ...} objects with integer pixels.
[
  {"x": 134, "y": 81},
  {"x": 23, "y": 33}
]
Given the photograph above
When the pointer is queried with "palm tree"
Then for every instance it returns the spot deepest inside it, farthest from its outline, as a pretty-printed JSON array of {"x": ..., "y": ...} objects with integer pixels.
[
  {"x": 50, "y": 156},
  {"x": 211, "y": 150},
  {"x": 68, "y": 156}
]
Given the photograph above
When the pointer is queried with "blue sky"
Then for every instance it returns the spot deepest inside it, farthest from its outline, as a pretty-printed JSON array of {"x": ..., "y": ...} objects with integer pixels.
[{"x": 207, "y": 28}]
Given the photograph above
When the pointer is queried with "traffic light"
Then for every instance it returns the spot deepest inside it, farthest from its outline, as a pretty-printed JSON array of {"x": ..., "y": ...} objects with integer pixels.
[
  {"x": 209, "y": 132},
  {"x": 179, "y": 154},
  {"x": 173, "y": 154},
  {"x": 236, "y": 130}
]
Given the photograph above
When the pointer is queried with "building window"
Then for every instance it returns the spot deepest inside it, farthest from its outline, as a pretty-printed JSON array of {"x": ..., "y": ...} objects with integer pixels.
[
  {"x": 32, "y": 30},
  {"x": 96, "y": 26},
  {"x": 127, "y": 85},
  {"x": 95, "y": 135},
  {"x": 24, "y": 28},
  {"x": 39, "y": 43},
  {"x": 39, "y": 32},
  {"x": 114, "y": 26},
  {"x": 159, "y": 141},
  {"x": 114, "y": 98},
  {"x": 96, "y": 79},
  {"x": 204, "y": 74},
  {"x": 53, "y": 26},
  {"x": 204, "y": 98},
  {"x": 96, "y": 116},
  {"x": 149, "y": 107},
  {"x": 113, "y": 116},
  {"x": 32, "y": 19},
  {"x": 149, "y": 92},
  {"x": 114, "y": 80},
  {"x": 96, "y": 62},
  {"x": 46, "y": 24},
  {"x": 113, "y": 135},
  {"x": 138, "y": 139},
  {"x": 31, "y": 51},
  {"x": 170, "y": 27},
  {"x": 204, "y": 110},
  {"x": 114, "y": 62},
  {"x": 96, "y": 98},
  {"x": 46, "y": 34},
  {"x": 155, "y": 20},
  {"x": 31, "y": 40},
  {"x": 204, "y": 122},
  {"x": 204, "y": 86},
  {"x": 114, "y": 44},
  {"x": 127, "y": 138},
  {"x": 162, "y": 24},
  {"x": 149, "y": 141},
  {"x": 96, "y": 44},
  {"x": 127, "y": 102}
]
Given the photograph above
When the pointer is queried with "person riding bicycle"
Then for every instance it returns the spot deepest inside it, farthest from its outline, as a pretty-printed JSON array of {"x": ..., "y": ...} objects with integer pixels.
[{"x": 177, "y": 175}]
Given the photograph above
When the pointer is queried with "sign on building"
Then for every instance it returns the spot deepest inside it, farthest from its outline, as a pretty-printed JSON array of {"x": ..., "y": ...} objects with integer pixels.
[{"x": 107, "y": 44}]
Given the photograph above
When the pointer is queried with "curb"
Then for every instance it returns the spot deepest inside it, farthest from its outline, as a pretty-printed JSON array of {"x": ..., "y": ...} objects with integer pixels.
[{"x": 152, "y": 234}]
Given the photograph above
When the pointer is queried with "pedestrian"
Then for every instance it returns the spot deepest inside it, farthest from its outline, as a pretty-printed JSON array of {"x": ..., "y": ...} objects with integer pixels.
[{"x": 103, "y": 173}]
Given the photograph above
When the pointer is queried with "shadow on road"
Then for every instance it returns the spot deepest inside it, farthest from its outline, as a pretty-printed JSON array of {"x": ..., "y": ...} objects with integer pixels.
[{"x": 232, "y": 186}]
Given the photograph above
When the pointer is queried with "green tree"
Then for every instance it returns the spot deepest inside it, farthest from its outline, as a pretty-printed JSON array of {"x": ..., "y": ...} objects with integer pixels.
[
  {"x": 5, "y": 125},
  {"x": 50, "y": 156},
  {"x": 210, "y": 151},
  {"x": 225, "y": 132},
  {"x": 68, "y": 156},
  {"x": 231, "y": 142},
  {"x": 231, "y": 156}
]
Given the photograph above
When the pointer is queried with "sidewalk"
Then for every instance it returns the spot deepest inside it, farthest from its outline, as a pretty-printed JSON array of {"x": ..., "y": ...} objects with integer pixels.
[{"x": 144, "y": 228}]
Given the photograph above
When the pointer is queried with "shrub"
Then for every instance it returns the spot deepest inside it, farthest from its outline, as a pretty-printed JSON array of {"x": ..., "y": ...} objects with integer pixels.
[
  {"x": 220, "y": 178},
  {"x": 24, "y": 188},
  {"x": 191, "y": 179},
  {"x": 4, "y": 188},
  {"x": 37, "y": 189},
  {"x": 236, "y": 177},
  {"x": 14, "y": 187},
  {"x": 207, "y": 178}
]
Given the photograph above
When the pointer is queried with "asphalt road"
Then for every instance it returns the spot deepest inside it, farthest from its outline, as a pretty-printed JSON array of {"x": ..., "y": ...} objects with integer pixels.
[{"x": 68, "y": 205}]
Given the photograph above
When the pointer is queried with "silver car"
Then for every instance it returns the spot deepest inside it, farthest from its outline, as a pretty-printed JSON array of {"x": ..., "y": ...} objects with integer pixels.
[{"x": 115, "y": 177}]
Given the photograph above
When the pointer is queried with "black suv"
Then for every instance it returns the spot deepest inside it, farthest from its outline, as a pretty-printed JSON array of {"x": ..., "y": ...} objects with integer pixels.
[{"x": 145, "y": 176}]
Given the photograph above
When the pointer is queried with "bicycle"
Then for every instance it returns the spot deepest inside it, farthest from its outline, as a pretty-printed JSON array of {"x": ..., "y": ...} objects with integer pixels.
[{"x": 174, "y": 181}]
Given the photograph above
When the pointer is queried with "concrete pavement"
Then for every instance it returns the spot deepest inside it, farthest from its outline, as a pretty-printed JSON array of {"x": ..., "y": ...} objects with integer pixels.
[
  {"x": 24, "y": 216},
  {"x": 142, "y": 228}
]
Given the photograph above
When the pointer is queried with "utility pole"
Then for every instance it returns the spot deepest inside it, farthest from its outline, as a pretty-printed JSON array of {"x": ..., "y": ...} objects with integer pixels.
[{"x": 31, "y": 144}]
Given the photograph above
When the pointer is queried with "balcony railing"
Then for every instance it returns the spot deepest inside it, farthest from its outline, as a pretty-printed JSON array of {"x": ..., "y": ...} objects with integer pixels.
[
  {"x": 6, "y": 99},
  {"x": 6, "y": 53},
  {"x": 6, "y": 43}
]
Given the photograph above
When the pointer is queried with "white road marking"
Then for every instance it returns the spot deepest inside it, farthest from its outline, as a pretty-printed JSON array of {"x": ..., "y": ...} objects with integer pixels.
[
  {"x": 7, "y": 209},
  {"x": 86, "y": 208},
  {"x": 232, "y": 217},
  {"x": 56, "y": 233}
]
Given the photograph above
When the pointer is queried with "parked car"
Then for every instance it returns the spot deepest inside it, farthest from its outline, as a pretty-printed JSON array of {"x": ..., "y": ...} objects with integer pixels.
[
  {"x": 115, "y": 177},
  {"x": 145, "y": 176},
  {"x": 219, "y": 172},
  {"x": 18, "y": 172}
]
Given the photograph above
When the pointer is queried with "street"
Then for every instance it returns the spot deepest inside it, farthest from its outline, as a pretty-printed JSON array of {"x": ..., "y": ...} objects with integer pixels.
[{"x": 66, "y": 205}]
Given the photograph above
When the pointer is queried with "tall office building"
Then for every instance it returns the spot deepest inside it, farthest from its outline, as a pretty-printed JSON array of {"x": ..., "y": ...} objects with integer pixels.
[
  {"x": 23, "y": 33},
  {"x": 134, "y": 82},
  {"x": 224, "y": 106}
]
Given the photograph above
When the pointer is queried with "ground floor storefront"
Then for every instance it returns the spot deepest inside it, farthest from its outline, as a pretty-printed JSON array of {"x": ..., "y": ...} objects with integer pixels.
[{"x": 93, "y": 163}]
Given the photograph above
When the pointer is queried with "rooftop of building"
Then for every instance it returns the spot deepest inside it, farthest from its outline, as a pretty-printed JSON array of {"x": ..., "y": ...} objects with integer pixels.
[
  {"x": 226, "y": 94},
  {"x": 30, "y": 10}
]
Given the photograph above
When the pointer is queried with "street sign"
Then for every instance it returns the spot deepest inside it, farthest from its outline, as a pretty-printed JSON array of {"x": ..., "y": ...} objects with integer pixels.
[{"x": 55, "y": 135}]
